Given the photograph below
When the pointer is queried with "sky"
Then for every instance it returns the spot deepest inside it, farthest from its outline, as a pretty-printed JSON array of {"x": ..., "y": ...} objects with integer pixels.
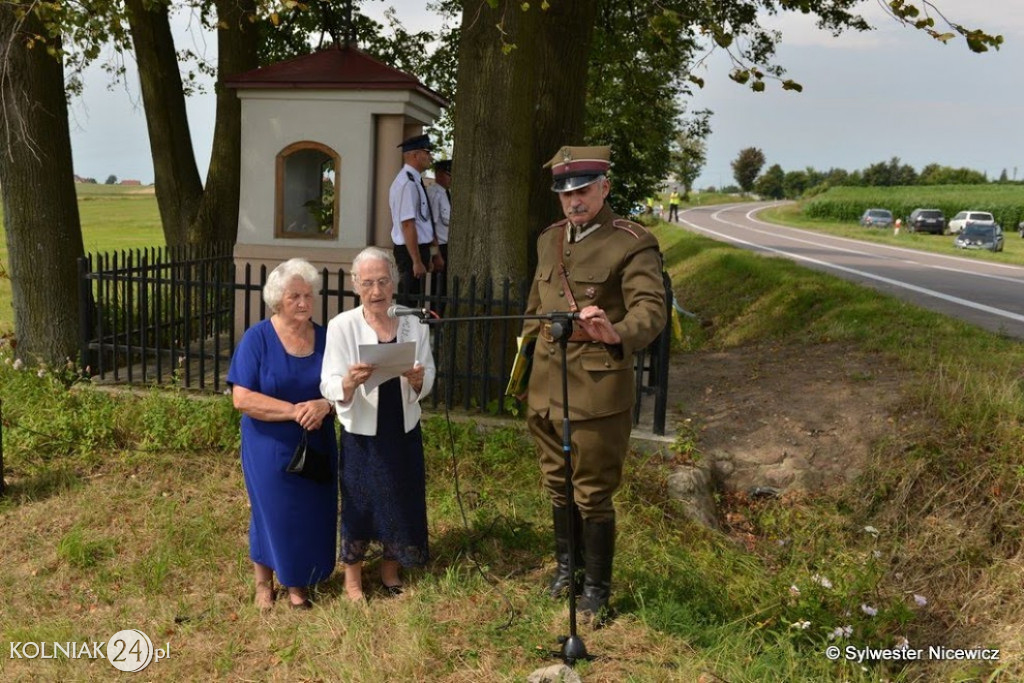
[{"x": 868, "y": 97}]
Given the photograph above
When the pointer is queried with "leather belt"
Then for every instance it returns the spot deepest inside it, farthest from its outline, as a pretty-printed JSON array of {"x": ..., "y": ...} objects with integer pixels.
[{"x": 578, "y": 334}]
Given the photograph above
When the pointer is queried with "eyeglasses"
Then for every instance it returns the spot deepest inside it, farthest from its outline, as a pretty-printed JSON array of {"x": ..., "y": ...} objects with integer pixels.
[{"x": 380, "y": 282}]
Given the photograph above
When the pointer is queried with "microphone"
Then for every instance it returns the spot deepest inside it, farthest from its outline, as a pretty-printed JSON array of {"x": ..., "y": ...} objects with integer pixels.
[{"x": 396, "y": 311}]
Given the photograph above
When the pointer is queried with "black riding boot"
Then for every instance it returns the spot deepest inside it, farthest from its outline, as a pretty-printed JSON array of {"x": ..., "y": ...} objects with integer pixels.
[
  {"x": 560, "y": 581},
  {"x": 599, "y": 544}
]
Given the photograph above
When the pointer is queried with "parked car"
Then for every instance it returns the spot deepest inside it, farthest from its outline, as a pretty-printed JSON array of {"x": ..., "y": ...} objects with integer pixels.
[
  {"x": 927, "y": 220},
  {"x": 980, "y": 236},
  {"x": 957, "y": 222},
  {"x": 876, "y": 218},
  {"x": 1020, "y": 228}
]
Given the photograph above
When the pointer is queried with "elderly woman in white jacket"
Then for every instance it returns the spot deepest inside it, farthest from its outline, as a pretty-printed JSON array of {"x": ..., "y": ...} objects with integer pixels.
[{"x": 383, "y": 477}]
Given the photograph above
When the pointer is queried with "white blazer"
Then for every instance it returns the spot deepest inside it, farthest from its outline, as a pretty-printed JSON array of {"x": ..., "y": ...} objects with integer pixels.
[{"x": 345, "y": 332}]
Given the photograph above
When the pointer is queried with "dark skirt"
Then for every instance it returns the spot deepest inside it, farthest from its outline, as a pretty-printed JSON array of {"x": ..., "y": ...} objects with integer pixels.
[{"x": 383, "y": 487}]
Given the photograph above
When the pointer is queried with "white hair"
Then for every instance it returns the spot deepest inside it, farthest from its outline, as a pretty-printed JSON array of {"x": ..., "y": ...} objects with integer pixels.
[
  {"x": 375, "y": 254},
  {"x": 280, "y": 277}
]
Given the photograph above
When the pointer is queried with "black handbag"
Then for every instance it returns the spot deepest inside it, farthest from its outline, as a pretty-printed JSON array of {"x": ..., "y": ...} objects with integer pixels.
[{"x": 310, "y": 463}]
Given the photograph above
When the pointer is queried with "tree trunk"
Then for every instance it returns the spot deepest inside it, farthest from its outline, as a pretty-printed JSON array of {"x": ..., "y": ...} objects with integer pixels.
[
  {"x": 237, "y": 40},
  {"x": 566, "y": 34},
  {"x": 516, "y": 107},
  {"x": 178, "y": 187},
  {"x": 44, "y": 234}
]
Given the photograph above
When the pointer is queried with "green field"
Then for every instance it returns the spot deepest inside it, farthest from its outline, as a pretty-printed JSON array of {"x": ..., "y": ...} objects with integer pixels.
[
  {"x": 113, "y": 217},
  {"x": 1004, "y": 201}
]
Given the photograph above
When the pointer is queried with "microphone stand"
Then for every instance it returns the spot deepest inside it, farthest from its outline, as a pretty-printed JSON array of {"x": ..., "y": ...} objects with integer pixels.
[{"x": 573, "y": 649}]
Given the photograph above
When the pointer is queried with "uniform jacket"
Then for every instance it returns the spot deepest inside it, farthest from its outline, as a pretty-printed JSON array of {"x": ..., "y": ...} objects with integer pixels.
[
  {"x": 345, "y": 332},
  {"x": 408, "y": 201},
  {"x": 618, "y": 268},
  {"x": 441, "y": 209}
]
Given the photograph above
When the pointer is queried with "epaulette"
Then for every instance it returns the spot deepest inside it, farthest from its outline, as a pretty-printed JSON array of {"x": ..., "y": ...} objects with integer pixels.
[
  {"x": 557, "y": 224},
  {"x": 634, "y": 229},
  {"x": 410, "y": 176}
]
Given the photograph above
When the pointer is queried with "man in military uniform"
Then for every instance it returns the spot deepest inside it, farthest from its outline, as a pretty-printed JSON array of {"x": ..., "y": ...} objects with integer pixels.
[
  {"x": 607, "y": 269},
  {"x": 412, "y": 226}
]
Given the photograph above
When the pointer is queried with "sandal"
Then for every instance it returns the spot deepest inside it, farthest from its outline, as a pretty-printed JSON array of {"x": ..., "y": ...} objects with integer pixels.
[
  {"x": 393, "y": 591},
  {"x": 305, "y": 604}
]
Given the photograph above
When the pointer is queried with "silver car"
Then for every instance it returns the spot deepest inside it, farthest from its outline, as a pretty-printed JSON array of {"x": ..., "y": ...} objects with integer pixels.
[{"x": 876, "y": 218}]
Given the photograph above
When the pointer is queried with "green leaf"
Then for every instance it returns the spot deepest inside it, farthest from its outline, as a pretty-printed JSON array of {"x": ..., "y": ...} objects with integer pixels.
[
  {"x": 697, "y": 79},
  {"x": 757, "y": 86},
  {"x": 741, "y": 76},
  {"x": 789, "y": 84}
]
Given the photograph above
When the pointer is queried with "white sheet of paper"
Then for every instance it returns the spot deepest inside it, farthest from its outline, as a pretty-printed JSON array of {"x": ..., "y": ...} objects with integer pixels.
[{"x": 391, "y": 361}]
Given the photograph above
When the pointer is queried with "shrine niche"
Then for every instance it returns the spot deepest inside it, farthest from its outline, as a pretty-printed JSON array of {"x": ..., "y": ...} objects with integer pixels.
[{"x": 306, "y": 197}]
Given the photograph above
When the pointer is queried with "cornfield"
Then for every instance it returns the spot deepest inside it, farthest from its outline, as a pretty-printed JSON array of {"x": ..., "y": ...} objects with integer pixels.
[{"x": 1004, "y": 201}]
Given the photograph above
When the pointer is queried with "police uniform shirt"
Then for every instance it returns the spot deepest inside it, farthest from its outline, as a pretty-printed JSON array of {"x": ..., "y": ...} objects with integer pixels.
[
  {"x": 408, "y": 200},
  {"x": 442, "y": 211}
]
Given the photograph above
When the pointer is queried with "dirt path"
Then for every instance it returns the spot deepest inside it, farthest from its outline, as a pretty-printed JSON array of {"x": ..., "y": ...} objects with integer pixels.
[{"x": 782, "y": 416}]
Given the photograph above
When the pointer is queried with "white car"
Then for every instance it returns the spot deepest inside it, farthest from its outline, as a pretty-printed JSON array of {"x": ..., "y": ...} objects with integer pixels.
[{"x": 957, "y": 222}]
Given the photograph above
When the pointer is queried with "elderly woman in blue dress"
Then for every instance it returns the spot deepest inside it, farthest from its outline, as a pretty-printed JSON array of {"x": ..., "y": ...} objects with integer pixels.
[
  {"x": 275, "y": 380},
  {"x": 383, "y": 478}
]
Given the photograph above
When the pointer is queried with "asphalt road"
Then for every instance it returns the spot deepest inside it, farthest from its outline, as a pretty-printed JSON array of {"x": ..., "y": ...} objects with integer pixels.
[{"x": 987, "y": 294}]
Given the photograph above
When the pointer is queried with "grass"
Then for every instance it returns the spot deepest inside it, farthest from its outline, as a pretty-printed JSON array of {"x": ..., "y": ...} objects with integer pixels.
[
  {"x": 113, "y": 217},
  {"x": 128, "y": 510}
]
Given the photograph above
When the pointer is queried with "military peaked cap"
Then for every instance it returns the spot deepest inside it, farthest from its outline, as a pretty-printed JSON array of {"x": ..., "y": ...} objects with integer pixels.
[{"x": 576, "y": 167}]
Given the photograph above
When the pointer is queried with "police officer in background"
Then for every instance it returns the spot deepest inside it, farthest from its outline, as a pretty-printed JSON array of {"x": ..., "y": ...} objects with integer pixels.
[
  {"x": 412, "y": 226},
  {"x": 609, "y": 270},
  {"x": 440, "y": 196}
]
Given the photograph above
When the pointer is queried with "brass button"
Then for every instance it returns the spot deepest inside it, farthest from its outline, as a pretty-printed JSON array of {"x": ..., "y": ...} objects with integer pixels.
[
  {"x": 561, "y": 292},
  {"x": 568, "y": 253},
  {"x": 607, "y": 364}
]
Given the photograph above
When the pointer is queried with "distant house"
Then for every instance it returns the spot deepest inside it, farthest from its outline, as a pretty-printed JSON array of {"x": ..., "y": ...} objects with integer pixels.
[
  {"x": 85, "y": 181},
  {"x": 131, "y": 182}
]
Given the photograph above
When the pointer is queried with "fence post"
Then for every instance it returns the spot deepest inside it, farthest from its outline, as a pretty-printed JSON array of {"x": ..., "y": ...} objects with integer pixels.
[
  {"x": 84, "y": 319},
  {"x": 663, "y": 358}
]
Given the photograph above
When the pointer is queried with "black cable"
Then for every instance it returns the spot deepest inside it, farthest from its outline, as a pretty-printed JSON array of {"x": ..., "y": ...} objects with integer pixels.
[{"x": 468, "y": 547}]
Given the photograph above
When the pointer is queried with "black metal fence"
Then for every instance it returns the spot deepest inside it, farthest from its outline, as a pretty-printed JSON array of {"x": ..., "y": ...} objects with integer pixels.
[{"x": 173, "y": 316}]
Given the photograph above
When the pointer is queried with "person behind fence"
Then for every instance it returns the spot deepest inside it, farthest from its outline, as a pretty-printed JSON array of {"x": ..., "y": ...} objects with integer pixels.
[
  {"x": 412, "y": 224},
  {"x": 383, "y": 474},
  {"x": 607, "y": 269},
  {"x": 275, "y": 383},
  {"x": 440, "y": 196}
]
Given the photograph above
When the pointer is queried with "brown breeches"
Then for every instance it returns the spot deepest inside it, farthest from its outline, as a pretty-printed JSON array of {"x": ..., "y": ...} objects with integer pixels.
[{"x": 598, "y": 452}]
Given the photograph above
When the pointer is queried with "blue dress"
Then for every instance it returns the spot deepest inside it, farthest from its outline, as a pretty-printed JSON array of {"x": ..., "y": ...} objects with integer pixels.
[
  {"x": 293, "y": 526},
  {"x": 383, "y": 487}
]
